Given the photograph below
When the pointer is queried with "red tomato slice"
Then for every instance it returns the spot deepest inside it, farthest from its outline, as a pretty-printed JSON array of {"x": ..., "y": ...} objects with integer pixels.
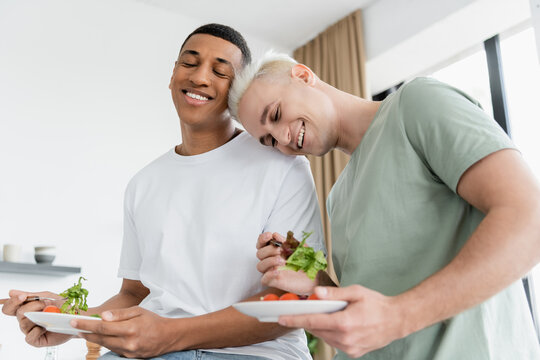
[
  {"x": 313, "y": 297},
  {"x": 52, "y": 309},
  {"x": 289, "y": 296},
  {"x": 270, "y": 297}
]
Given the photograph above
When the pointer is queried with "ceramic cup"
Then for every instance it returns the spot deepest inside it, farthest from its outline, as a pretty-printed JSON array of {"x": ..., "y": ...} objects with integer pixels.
[
  {"x": 12, "y": 253},
  {"x": 44, "y": 254}
]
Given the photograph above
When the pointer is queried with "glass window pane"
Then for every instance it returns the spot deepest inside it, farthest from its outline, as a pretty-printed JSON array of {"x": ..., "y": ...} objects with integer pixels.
[
  {"x": 522, "y": 76},
  {"x": 470, "y": 75}
]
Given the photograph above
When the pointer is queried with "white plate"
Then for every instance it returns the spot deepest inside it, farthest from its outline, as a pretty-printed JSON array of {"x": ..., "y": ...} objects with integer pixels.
[
  {"x": 58, "y": 323},
  {"x": 269, "y": 311}
]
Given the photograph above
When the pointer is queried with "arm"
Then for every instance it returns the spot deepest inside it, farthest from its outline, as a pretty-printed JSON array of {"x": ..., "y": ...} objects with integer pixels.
[
  {"x": 504, "y": 247},
  {"x": 131, "y": 293},
  {"x": 136, "y": 332},
  {"x": 241, "y": 329}
]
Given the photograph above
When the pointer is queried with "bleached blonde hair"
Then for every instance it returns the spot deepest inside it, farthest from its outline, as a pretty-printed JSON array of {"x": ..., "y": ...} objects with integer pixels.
[{"x": 270, "y": 65}]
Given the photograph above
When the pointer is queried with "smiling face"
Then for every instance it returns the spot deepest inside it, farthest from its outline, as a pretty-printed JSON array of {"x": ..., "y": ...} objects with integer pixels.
[
  {"x": 289, "y": 113},
  {"x": 202, "y": 77}
]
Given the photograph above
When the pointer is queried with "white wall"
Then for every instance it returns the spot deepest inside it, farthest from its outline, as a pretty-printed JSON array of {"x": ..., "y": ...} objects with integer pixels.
[
  {"x": 535, "y": 14},
  {"x": 84, "y": 104},
  {"x": 406, "y": 38}
]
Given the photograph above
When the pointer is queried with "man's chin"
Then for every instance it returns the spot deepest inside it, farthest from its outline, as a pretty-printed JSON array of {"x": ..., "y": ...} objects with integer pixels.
[
  {"x": 289, "y": 151},
  {"x": 194, "y": 116}
]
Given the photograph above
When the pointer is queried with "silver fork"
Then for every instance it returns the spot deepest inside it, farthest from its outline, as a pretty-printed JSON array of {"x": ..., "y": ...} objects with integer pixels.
[
  {"x": 33, "y": 298},
  {"x": 275, "y": 243}
]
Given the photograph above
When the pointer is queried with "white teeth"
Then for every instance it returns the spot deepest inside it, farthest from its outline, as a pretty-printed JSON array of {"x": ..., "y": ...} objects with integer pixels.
[
  {"x": 195, "y": 96},
  {"x": 301, "y": 136}
]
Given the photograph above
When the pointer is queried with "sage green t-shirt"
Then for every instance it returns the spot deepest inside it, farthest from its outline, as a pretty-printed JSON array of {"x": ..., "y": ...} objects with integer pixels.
[{"x": 396, "y": 219}]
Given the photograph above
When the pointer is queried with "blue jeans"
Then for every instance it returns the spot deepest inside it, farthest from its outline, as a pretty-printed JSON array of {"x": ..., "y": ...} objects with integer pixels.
[{"x": 190, "y": 355}]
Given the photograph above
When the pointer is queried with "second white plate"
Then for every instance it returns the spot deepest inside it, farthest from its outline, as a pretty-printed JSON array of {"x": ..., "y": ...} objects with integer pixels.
[{"x": 270, "y": 311}]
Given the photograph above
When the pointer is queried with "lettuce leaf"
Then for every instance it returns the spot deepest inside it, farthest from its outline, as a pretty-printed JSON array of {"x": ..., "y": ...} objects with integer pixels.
[
  {"x": 76, "y": 299},
  {"x": 306, "y": 259}
]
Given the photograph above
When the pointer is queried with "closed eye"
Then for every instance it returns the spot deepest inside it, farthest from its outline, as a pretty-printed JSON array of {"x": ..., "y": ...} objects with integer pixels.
[
  {"x": 277, "y": 114},
  {"x": 220, "y": 74},
  {"x": 268, "y": 140}
]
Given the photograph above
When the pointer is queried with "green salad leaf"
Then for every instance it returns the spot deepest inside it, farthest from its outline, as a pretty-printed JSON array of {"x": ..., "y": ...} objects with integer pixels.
[
  {"x": 76, "y": 299},
  {"x": 306, "y": 259}
]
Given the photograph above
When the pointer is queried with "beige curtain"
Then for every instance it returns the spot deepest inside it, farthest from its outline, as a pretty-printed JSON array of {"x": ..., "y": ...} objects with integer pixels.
[{"x": 337, "y": 57}]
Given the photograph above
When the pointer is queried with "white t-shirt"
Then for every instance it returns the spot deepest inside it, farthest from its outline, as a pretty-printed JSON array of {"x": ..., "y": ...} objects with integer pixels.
[{"x": 191, "y": 225}]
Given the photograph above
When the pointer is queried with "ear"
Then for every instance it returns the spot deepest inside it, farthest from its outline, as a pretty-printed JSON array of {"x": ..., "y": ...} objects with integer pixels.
[
  {"x": 302, "y": 72},
  {"x": 174, "y": 69}
]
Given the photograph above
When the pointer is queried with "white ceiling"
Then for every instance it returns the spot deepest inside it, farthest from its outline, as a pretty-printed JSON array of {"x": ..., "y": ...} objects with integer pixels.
[
  {"x": 403, "y": 39},
  {"x": 289, "y": 23}
]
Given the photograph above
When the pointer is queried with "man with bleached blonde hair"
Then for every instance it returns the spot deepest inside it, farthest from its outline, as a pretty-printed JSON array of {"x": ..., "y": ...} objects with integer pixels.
[{"x": 434, "y": 220}]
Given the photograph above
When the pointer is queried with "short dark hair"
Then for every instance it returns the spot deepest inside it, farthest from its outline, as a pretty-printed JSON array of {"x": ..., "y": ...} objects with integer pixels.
[{"x": 226, "y": 33}]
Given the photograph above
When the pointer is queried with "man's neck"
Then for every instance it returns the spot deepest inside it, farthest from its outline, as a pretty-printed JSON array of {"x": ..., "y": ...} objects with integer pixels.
[
  {"x": 197, "y": 141},
  {"x": 354, "y": 118}
]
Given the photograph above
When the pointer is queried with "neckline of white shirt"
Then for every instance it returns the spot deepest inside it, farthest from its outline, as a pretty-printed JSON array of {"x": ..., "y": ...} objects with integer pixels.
[{"x": 218, "y": 152}]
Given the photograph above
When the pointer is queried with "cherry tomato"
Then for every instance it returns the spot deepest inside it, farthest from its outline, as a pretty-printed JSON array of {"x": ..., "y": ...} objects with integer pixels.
[
  {"x": 313, "y": 297},
  {"x": 270, "y": 297},
  {"x": 52, "y": 309},
  {"x": 289, "y": 296}
]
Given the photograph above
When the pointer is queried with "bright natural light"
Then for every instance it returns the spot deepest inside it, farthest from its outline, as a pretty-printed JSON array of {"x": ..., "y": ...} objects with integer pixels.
[
  {"x": 522, "y": 76},
  {"x": 469, "y": 74}
]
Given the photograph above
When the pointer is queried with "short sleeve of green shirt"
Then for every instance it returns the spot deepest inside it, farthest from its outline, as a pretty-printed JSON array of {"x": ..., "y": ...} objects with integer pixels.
[{"x": 447, "y": 132}]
